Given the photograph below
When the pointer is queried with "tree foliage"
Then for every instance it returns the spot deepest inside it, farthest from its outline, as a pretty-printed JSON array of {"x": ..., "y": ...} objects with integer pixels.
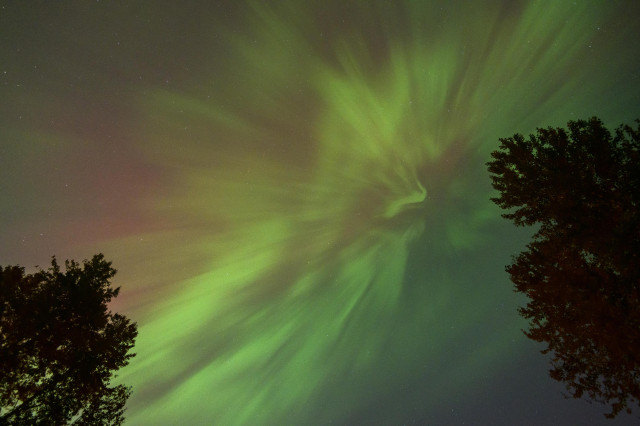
[
  {"x": 581, "y": 190},
  {"x": 60, "y": 345}
]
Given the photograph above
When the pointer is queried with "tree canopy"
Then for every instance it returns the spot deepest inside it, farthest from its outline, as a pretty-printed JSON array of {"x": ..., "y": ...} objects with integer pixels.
[
  {"x": 580, "y": 189},
  {"x": 60, "y": 345}
]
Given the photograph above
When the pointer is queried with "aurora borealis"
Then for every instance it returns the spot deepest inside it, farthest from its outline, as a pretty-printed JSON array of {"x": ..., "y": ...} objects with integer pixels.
[{"x": 295, "y": 196}]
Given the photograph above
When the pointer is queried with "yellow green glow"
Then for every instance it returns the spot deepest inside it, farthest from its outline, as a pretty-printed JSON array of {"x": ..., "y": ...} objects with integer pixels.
[{"x": 305, "y": 182}]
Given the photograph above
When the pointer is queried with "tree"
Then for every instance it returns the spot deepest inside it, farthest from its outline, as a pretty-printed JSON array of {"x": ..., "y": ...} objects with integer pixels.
[
  {"x": 60, "y": 345},
  {"x": 580, "y": 189}
]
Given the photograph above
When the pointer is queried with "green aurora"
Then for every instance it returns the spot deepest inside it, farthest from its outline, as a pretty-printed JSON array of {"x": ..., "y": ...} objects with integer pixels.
[{"x": 315, "y": 243}]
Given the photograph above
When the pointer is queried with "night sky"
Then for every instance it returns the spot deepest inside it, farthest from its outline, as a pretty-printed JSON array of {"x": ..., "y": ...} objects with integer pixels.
[{"x": 295, "y": 194}]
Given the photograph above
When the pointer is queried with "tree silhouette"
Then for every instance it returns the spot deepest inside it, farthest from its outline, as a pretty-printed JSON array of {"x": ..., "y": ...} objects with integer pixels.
[
  {"x": 60, "y": 345},
  {"x": 581, "y": 190}
]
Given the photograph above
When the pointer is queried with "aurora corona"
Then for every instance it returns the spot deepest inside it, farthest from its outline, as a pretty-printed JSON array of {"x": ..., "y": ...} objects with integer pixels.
[
  {"x": 318, "y": 234},
  {"x": 308, "y": 223}
]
